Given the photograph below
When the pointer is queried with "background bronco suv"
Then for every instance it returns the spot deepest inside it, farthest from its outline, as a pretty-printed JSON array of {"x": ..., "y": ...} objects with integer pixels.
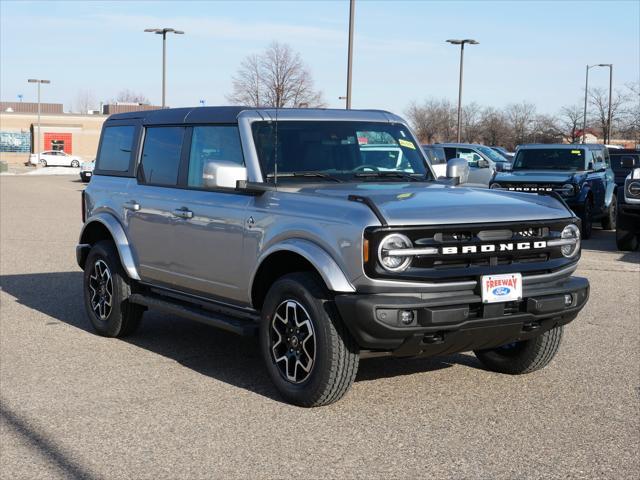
[
  {"x": 273, "y": 222},
  {"x": 580, "y": 173}
]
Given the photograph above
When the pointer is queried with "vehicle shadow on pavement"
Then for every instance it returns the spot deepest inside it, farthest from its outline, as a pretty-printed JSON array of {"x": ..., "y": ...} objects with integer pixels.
[{"x": 215, "y": 353}]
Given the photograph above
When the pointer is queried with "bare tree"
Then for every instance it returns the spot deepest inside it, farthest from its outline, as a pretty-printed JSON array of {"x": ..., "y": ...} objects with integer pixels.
[
  {"x": 520, "y": 117},
  {"x": 630, "y": 115},
  {"x": 599, "y": 99},
  {"x": 84, "y": 101},
  {"x": 129, "y": 96},
  {"x": 545, "y": 130},
  {"x": 495, "y": 128},
  {"x": 471, "y": 122},
  {"x": 433, "y": 121},
  {"x": 570, "y": 122},
  {"x": 276, "y": 78}
]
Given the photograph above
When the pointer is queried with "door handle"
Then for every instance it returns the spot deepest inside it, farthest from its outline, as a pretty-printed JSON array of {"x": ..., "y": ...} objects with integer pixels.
[
  {"x": 131, "y": 205},
  {"x": 183, "y": 212}
]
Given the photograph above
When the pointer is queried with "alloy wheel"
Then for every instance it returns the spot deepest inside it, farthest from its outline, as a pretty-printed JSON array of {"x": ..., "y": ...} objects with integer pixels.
[
  {"x": 101, "y": 290},
  {"x": 293, "y": 341}
]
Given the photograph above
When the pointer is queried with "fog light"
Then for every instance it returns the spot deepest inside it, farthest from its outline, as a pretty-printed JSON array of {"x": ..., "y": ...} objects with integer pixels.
[
  {"x": 568, "y": 299},
  {"x": 406, "y": 317}
]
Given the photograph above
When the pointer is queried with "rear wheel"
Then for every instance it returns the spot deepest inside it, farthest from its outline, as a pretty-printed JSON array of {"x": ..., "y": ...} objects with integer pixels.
[
  {"x": 309, "y": 354},
  {"x": 609, "y": 220},
  {"x": 75, "y": 163},
  {"x": 587, "y": 219},
  {"x": 43, "y": 162},
  {"x": 627, "y": 241},
  {"x": 106, "y": 292},
  {"x": 523, "y": 357}
]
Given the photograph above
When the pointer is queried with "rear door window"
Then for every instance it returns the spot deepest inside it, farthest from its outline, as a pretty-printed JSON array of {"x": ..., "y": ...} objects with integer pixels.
[
  {"x": 115, "y": 149},
  {"x": 161, "y": 153}
]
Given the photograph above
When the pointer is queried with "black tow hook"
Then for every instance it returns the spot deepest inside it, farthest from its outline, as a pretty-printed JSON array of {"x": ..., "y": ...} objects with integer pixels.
[{"x": 530, "y": 327}]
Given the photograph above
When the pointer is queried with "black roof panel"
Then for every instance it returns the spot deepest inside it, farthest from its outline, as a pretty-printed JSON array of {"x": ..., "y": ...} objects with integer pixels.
[{"x": 180, "y": 115}]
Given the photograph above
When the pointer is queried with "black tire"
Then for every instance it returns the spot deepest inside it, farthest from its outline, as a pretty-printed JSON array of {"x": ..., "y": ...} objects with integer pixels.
[
  {"x": 121, "y": 318},
  {"x": 627, "y": 241},
  {"x": 587, "y": 219},
  {"x": 75, "y": 163},
  {"x": 43, "y": 162},
  {"x": 332, "y": 367},
  {"x": 523, "y": 357},
  {"x": 609, "y": 219}
]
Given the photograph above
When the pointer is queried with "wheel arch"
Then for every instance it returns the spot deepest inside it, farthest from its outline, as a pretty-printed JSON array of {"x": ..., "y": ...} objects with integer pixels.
[
  {"x": 105, "y": 227},
  {"x": 295, "y": 255}
]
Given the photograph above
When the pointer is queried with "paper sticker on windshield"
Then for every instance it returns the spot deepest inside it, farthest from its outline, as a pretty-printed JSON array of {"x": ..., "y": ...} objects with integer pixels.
[
  {"x": 576, "y": 152},
  {"x": 406, "y": 143}
]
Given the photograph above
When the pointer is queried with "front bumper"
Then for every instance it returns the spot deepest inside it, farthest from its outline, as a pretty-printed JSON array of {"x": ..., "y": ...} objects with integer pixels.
[{"x": 450, "y": 322}]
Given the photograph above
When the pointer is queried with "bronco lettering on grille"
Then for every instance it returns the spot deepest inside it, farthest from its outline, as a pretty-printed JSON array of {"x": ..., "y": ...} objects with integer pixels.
[{"x": 488, "y": 248}]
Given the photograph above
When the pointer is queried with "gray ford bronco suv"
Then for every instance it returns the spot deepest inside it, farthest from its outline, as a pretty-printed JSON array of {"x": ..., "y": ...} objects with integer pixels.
[{"x": 282, "y": 223}]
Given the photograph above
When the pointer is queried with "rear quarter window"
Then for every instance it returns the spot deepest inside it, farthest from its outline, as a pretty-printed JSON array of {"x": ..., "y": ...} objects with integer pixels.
[{"x": 116, "y": 148}]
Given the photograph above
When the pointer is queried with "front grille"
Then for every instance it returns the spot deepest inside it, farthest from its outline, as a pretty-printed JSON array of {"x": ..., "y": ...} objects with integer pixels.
[{"x": 467, "y": 252}]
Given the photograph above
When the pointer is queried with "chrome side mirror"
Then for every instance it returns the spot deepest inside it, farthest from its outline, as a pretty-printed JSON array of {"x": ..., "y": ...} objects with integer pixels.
[
  {"x": 458, "y": 170},
  {"x": 223, "y": 174},
  {"x": 483, "y": 163}
]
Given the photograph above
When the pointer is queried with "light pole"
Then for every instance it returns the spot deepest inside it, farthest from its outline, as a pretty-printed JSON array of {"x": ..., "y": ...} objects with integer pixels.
[
  {"x": 586, "y": 91},
  {"x": 39, "y": 82},
  {"x": 461, "y": 43},
  {"x": 163, "y": 32},
  {"x": 352, "y": 9}
]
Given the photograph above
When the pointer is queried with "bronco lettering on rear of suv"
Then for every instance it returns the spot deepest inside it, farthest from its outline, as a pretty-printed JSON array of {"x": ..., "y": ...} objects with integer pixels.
[{"x": 285, "y": 224}]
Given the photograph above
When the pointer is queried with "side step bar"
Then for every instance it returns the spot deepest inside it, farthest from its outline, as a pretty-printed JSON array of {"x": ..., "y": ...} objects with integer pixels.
[{"x": 192, "y": 312}]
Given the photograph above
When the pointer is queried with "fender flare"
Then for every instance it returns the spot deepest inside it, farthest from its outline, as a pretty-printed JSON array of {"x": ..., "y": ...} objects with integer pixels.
[
  {"x": 331, "y": 273},
  {"x": 119, "y": 238}
]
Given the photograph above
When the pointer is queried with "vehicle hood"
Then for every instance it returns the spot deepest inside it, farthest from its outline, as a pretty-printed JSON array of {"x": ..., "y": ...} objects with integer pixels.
[
  {"x": 538, "y": 176},
  {"x": 438, "y": 204}
]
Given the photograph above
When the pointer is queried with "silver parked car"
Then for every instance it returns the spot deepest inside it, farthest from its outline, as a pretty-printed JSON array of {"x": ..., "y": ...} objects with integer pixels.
[
  {"x": 324, "y": 233},
  {"x": 483, "y": 161}
]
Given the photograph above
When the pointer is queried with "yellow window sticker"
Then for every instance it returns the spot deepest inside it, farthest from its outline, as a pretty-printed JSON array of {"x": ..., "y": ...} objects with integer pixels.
[
  {"x": 576, "y": 152},
  {"x": 406, "y": 143}
]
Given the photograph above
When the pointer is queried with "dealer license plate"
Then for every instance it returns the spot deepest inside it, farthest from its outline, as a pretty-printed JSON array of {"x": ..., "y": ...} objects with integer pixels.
[{"x": 501, "y": 288}]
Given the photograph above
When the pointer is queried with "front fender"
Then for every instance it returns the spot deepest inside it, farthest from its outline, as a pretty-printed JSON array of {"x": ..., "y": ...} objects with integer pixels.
[
  {"x": 326, "y": 266},
  {"x": 119, "y": 238}
]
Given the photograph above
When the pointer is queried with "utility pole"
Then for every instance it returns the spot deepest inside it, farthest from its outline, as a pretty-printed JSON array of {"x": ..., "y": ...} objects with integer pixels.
[
  {"x": 39, "y": 82},
  {"x": 461, "y": 43},
  {"x": 163, "y": 32},
  {"x": 352, "y": 7}
]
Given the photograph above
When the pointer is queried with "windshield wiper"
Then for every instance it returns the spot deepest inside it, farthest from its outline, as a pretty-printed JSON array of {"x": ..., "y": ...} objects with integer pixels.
[
  {"x": 404, "y": 175},
  {"x": 307, "y": 175}
]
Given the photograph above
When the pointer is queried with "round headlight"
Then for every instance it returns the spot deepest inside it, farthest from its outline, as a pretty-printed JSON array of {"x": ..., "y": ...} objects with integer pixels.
[
  {"x": 571, "y": 231},
  {"x": 495, "y": 185},
  {"x": 633, "y": 189},
  {"x": 389, "y": 259},
  {"x": 567, "y": 190}
]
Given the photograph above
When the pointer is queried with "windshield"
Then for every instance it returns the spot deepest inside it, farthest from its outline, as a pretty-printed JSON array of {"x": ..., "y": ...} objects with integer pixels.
[
  {"x": 492, "y": 154},
  {"x": 341, "y": 150},
  {"x": 550, "y": 159}
]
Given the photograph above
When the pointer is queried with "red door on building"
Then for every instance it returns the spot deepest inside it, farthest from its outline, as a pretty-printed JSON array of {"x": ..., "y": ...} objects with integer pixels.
[{"x": 58, "y": 141}]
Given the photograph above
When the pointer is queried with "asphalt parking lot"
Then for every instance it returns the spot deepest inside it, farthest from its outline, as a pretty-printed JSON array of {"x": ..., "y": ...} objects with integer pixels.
[{"x": 182, "y": 400}]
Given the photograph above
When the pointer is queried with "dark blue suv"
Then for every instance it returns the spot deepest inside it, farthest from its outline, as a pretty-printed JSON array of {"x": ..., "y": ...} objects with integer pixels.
[{"x": 580, "y": 173}]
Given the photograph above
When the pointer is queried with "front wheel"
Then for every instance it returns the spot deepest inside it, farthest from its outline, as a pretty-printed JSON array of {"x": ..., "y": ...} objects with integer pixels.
[
  {"x": 106, "y": 293},
  {"x": 587, "y": 219},
  {"x": 627, "y": 241},
  {"x": 309, "y": 354},
  {"x": 609, "y": 220},
  {"x": 523, "y": 357}
]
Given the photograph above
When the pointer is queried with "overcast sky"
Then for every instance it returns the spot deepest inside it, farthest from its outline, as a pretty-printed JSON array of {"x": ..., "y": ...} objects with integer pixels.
[{"x": 533, "y": 51}]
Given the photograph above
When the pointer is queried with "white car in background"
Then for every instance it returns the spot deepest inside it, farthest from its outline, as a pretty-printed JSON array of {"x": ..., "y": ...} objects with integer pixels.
[{"x": 58, "y": 158}]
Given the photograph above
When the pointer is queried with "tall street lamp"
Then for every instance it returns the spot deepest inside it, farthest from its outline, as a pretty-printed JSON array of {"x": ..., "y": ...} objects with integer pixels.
[
  {"x": 163, "y": 32},
  {"x": 461, "y": 43},
  {"x": 39, "y": 82},
  {"x": 586, "y": 92},
  {"x": 352, "y": 10}
]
